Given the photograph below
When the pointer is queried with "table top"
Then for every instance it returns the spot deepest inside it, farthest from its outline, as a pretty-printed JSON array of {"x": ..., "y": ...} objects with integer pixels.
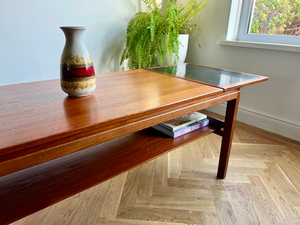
[
  {"x": 35, "y": 113},
  {"x": 39, "y": 115}
]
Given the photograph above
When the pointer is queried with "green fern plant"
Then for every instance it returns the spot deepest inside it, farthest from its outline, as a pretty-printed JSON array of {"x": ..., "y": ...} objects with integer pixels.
[
  {"x": 187, "y": 15},
  {"x": 152, "y": 34}
]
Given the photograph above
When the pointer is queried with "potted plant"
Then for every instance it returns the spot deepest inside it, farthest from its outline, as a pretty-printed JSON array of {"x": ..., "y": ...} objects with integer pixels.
[{"x": 150, "y": 35}]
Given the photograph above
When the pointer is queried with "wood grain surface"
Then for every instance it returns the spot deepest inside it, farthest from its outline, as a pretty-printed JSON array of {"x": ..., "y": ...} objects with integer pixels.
[{"x": 39, "y": 112}]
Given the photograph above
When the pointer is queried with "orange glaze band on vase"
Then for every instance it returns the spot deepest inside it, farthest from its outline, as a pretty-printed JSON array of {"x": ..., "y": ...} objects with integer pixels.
[{"x": 76, "y": 70}]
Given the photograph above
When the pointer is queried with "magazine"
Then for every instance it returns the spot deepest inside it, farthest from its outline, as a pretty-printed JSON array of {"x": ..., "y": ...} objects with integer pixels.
[
  {"x": 184, "y": 130},
  {"x": 183, "y": 121}
]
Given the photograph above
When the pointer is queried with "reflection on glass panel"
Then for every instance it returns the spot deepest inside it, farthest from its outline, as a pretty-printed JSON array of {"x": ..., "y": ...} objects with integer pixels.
[
  {"x": 279, "y": 17},
  {"x": 207, "y": 75}
]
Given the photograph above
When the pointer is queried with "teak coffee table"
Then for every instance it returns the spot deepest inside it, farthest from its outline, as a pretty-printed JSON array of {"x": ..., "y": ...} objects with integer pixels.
[{"x": 53, "y": 146}]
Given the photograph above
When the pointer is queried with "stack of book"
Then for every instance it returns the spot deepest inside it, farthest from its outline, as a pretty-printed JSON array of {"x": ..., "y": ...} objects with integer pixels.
[{"x": 183, "y": 125}]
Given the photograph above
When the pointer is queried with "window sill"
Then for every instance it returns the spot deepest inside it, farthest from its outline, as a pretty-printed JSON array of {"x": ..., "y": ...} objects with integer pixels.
[{"x": 261, "y": 45}]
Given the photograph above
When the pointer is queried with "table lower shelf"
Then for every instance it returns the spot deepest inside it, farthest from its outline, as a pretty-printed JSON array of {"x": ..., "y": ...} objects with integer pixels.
[{"x": 32, "y": 189}]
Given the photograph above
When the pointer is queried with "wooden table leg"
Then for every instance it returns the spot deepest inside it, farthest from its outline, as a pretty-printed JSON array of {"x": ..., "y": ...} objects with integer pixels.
[{"x": 230, "y": 117}]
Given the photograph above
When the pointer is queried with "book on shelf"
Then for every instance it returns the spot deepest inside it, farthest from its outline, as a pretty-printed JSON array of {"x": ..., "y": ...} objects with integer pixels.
[
  {"x": 184, "y": 130},
  {"x": 183, "y": 121}
]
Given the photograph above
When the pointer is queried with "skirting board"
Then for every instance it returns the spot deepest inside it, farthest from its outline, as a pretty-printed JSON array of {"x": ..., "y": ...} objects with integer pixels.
[{"x": 264, "y": 122}]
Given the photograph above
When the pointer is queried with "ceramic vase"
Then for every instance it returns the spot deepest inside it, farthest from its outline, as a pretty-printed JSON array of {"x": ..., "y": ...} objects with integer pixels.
[{"x": 77, "y": 74}]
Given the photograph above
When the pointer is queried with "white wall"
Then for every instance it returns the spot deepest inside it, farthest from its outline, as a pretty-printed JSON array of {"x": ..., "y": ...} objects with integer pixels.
[
  {"x": 31, "y": 41},
  {"x": 261, "y": 104}
]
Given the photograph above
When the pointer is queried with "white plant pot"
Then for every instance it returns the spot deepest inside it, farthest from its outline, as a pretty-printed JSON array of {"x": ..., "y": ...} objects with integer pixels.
[
  {"x": 183, "y": 46},
  {"x": 184, "y": 40}
]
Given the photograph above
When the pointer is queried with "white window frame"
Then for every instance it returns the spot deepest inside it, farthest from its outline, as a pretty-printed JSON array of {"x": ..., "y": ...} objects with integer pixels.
[{"x": 238, "y": 26}]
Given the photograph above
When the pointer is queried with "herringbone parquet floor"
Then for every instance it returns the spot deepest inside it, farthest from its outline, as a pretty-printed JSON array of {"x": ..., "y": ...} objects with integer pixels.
[{"x": 262, "y": 187}]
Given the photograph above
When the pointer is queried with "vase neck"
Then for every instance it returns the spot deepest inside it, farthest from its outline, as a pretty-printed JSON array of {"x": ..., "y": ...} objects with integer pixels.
[{"x": 73, "y": 34}]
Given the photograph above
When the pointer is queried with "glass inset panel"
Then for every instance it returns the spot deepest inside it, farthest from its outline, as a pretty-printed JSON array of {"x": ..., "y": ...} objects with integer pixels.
[
  {"x": 279, "y": 17},
  {"x": 208, "y": 75}
]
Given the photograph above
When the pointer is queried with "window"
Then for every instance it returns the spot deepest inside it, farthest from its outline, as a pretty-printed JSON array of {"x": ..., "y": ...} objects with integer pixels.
[{"x": 271, "y": 21}]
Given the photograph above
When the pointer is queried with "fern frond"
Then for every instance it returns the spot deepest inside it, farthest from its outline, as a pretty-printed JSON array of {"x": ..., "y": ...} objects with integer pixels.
[
  {"x": 152, "y": 34},
  {"x": 188, "y": 13},
  {"x": 151, "y": 4}
]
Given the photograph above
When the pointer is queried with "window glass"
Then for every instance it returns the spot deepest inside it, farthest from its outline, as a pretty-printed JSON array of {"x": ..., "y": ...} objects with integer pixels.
[{"x": 275, "y": 17}]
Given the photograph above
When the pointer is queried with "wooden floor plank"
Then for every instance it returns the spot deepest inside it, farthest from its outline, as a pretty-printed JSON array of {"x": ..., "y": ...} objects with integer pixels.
[
  {"x": 160, "y": 215},
  {"x": 225, "y": 213},
  {"x": 189, "y": 203},
  {"x": 131, "y": 187},
  {"x": 191, "y": 192},
  {"x": 263, "y": 215},
  {"x": 132, "y": 222},
  {"x": 277, "y": 187},
  {"x": 205, "y": 147},
  {"x": 234, "y": 177},
  {"x": 216, "y": 184},
  {"x": 256, "y": 151},
  {"x": 293, "y": 160},
  {"x": 289, "y": 170},
  {"x": 174, "y": 164},
  {"x": 113, "y": 197},
  {"x": 242, "y": 205},
  {"x": 281, "y": 181},
  {"x": 250, "y": 163},
  {"x": 186, "y": 158},
  {"x": 209, "y": 218},
  {"x": 266, "y": 208},
  {"x": 147, "y": 178},
  {"x": 161, "y": 171}
]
